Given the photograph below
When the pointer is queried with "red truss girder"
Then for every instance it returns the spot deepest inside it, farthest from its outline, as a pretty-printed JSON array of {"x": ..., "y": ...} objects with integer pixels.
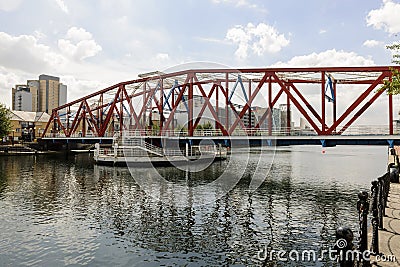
[{"x": 209, "y": 82}]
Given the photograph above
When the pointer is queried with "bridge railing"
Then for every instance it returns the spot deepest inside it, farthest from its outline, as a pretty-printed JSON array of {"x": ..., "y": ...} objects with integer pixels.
[
  {"x": 357, "y": 130},
  {"x": 370, "y": 130},
  {"x": 351, "y": 131}
]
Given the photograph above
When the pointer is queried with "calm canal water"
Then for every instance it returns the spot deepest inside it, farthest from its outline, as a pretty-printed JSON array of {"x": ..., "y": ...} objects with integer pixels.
[{"x": 58, "y": 210}]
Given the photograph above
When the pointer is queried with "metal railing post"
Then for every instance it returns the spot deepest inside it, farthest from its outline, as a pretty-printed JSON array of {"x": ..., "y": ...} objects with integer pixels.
[
  {"x": 375, "y": 220},
  {"x": 363, "y": 209},
  {"x": 381, "y": 197}
]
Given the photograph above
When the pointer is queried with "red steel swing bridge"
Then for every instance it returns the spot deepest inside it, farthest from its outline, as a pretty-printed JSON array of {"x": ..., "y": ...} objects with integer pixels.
[{"x": 96, "y": 115}]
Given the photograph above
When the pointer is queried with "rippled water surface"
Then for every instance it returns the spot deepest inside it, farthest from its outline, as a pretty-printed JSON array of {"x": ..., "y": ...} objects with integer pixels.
[{"x": 60, "y": 210}]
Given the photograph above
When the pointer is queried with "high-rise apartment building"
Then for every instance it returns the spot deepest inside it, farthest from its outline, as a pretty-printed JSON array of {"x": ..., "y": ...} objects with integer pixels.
[
  {"x": 22, "y": 98},
  {"x": 34, "y": 89},
  {"x": 41, "y": 95}
]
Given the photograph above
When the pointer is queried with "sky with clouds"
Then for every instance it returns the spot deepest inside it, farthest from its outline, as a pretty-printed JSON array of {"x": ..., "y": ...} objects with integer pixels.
[{"x": 96, "y": 43}]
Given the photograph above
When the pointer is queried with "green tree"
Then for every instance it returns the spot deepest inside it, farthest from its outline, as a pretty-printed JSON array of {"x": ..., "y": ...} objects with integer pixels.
[
  {"x": 155, "y": 129},
  {"x": 392, "y": 86},
  {"x": 5, "y": 123},
  {"x": 181, "y": 130},
  {"x": 396, "y": 52},
  {"x": 207, "y": 126},
  {"x": 199, "y": 127}
]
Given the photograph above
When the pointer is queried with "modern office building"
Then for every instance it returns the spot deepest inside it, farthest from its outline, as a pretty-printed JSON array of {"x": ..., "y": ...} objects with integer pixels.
[{"x": 41, "y": 95}]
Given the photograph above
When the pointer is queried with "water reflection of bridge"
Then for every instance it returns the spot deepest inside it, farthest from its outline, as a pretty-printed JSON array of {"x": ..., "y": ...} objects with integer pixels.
[{"x": 87, "y": 213}]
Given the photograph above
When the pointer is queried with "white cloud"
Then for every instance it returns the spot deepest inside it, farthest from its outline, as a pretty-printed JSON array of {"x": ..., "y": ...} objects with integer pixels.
[
  {"x": 78, "y": 34},
  {"x": 260, "y": 39},
  {"x": 79, "y": 51},
  {"x": 239, "y": 36},
  {"x": 7, "y": 81},
  {"x": 162, "y": 56},
  {"x": 62, "y": 5},
  {"x": 328, "y": 58},
  {"x": 372, "y": 43},
  {"x": 386, "y": 17},
  {"x": 322, "y": 31},
  {"x": 24, "y": 52},
  {"x": 211, "y": 40},
  {"x": 9, "y": 5},
  {"x": 39, "y": 35},
  {"x": 24, "y": 57},
  {"x": 238, "y": 3},
  {"x": 78, "y": 44}
]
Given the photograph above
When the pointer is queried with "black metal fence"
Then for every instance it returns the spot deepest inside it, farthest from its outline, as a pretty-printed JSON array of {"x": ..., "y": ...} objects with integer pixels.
[{"x": 374, "y": 204}]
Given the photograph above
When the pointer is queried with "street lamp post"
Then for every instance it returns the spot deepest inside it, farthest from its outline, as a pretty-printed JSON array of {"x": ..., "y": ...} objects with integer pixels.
[{"x": 12, "y": 141}]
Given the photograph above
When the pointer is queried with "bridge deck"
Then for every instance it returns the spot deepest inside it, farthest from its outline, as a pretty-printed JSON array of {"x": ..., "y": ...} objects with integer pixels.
[
  {"x": 288, "y": 137},
  {"x": 329, "y": 140}
]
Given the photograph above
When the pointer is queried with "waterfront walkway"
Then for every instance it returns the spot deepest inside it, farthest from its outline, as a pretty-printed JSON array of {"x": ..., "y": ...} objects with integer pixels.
[{"x": 389, "y": 237}]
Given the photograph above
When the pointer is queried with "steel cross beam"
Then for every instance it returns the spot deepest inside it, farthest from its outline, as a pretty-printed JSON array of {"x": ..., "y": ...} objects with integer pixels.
[
  {"x": 357, "y": 102},
  {"x": 248, "y": 103},
  {"x": 230, "y": 104},
  {"x": 308, "y": 105},
  {"x": 211, "y": 108},
  {"x": 75, "y": 121},
  {"x": 178, "y": 99},
  {"x": 91, "y": 115},
  {"x": 297, "y": 104},
  {"x": 206, "y": 100},
  {"x": 110, "y": 113},
  {"x": 135, "y": 117}
]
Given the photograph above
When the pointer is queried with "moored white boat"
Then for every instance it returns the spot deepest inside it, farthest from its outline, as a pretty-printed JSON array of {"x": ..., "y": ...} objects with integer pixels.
[{"x": 139, "y": 152}]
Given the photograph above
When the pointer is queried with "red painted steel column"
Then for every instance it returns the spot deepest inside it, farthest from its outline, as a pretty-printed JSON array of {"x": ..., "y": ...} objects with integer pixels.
[
  {"x": 144, "y": 122},
  {"x": 173, "y": 108},
  {"x": 270, "y": 106},
  {"x": 249, "y": 94},
  {"x": 288, "y": 117},
  {"x": 390, "y": 114},
  {"x": 121, "y": 110},
  {"x": 217, "y": 105},
  {"x": 334, "y": 104},
  {"x": 68, "y": 115},
  {"x": 323, "y": 115},
  {"x": 84, "y": 122},
  {"x": 190, "y": 113},
  {"x": 54, "y": 125},
  {"x": 101, "y": 111},
  {"x": 162, "y": 105},
  {"x": 226, "y": 101}
]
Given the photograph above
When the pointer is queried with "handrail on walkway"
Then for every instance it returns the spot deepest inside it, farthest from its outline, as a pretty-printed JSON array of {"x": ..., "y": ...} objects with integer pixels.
[{"x": 375, "y": 204}]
